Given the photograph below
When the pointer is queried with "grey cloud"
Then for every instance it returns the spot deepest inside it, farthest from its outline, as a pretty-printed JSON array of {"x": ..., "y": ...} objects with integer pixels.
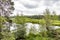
[
  {"x": 36, "y": 0},
  {"x": 47, "y": 3},
  {"x": 54, "y": 1},
  {"x": 30, "y": 6},
  {"x": 50, "y": 2},
  {"x": 58, "y": 4}
]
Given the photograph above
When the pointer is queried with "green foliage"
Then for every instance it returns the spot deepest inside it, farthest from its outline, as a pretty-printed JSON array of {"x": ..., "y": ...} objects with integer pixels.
[
  {"x": 19, "y": 20},
  {"x": 8, "y": 36},
  {"x": 21, "y": 31},
  {"x": 23, "y": 19},
  {"x": 1, "y": 26},
  {"x": 56, "y": 22},
  {"x": 38, "y": 37},
  {"x": 47, "y": 17},
  {"x": 2, "y": 19},
  {"x": 4, "y": 35},
  {"x": 55, "y": 17}
]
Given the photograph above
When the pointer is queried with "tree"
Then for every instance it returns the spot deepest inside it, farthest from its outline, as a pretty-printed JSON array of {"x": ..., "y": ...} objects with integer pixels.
[
  {"x": 0, "y": 27},
  {"x": 6, "y": 8},
  {"x": 47, "y": 18},
  {"x": 55, "y": 17}
]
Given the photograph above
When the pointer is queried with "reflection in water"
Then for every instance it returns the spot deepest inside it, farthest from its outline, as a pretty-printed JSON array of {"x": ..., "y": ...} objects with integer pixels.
[{"x": 28, "y": 26}]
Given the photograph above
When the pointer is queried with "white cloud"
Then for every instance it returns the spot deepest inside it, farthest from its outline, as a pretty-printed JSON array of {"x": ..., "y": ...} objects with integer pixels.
[{"x": 30, "y": 7}]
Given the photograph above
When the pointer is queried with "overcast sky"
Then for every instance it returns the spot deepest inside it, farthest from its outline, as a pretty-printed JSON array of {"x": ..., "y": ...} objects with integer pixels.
[{"x": 31, "y": 7}]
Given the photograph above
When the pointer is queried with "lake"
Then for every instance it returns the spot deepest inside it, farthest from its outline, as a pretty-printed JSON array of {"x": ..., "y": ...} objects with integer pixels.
[{"x": 28, "y": 26}]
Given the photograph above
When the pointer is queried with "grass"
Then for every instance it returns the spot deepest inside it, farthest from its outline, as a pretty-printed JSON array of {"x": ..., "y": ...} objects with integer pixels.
[{"x": 37, "y": 21}]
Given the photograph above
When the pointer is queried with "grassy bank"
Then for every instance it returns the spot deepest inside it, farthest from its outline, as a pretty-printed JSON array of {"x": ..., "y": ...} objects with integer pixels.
[{"x": 21, "y": 20}]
